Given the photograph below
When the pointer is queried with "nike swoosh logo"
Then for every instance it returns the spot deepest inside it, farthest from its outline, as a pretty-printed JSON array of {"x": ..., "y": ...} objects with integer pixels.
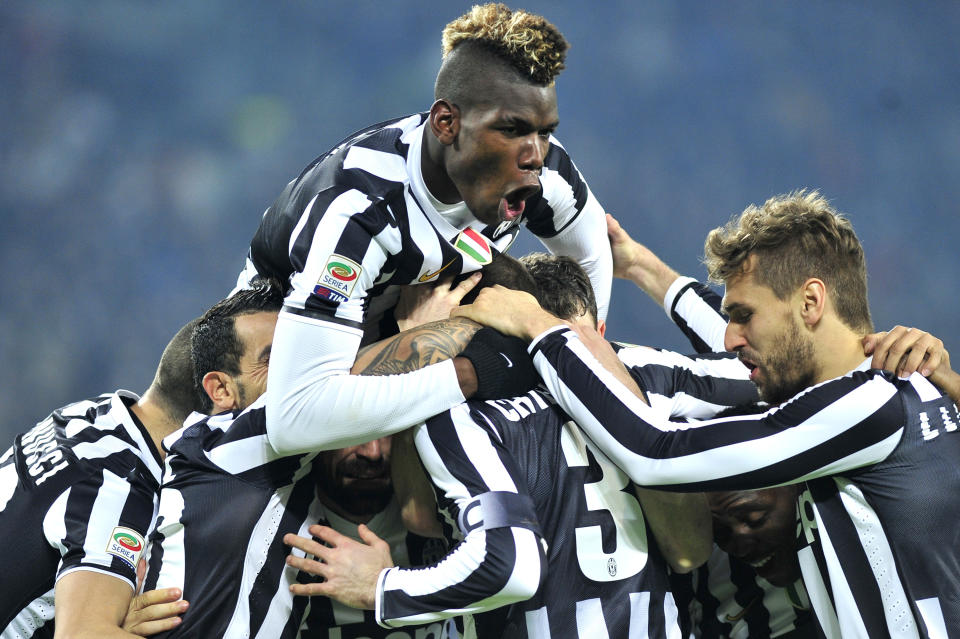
[
  {"x": 739, "y": 616},
  {"x": 430, "y": 276},
  {"x": 509, "y": 363}
]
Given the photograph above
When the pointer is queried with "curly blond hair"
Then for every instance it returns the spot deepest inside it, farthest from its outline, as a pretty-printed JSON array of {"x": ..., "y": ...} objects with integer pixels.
[
  {"x": 794, "y": 237},
  {"x": 528, "y": 42}
]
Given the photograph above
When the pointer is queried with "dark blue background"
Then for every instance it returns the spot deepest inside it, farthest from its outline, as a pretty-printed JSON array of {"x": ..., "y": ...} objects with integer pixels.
[{"x": 141, "y": 141}]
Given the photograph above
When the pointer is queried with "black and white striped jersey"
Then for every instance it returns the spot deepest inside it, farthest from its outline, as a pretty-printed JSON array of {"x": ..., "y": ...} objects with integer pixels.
[
  {"x": 227, "y": 501},
  {"x": 77, "y": 492},
  {"x": 726, "y": 599},
  {"x": 527, "y": 471},
  {"x": 355, "y": 225},
  {"x": 881, "y": 553}
]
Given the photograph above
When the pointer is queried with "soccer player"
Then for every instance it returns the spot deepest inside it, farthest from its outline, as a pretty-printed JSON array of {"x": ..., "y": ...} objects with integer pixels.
[
  {"x": 555, "y": 542},
  {"x": 880, "y": 553},
  {"x": 409, "y": 200},
  {"x": 228, "y": 498},
  {"x": 77, "y": 499}
]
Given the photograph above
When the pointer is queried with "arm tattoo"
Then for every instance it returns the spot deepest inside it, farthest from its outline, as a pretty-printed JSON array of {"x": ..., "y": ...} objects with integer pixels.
[{"x": 415, "y": 348}]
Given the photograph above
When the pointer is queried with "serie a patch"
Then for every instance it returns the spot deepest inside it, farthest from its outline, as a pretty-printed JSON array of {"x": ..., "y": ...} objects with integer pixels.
[
  {"x": 339, "y": 276},
  {"x": 127, "y": 544}
]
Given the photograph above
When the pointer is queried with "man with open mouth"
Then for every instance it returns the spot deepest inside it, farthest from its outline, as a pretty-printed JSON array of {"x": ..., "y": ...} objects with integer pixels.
[{"x": 410, "y": 201}]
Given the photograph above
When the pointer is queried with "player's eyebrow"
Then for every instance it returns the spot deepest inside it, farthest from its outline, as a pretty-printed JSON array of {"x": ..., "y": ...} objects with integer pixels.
[{"x": 265, "y": 353}]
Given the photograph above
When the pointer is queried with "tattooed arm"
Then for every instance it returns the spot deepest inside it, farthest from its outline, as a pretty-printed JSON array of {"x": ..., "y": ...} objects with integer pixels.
[
  {"x": 415, "y": 348},
  {"x": 407, "y": 351}
]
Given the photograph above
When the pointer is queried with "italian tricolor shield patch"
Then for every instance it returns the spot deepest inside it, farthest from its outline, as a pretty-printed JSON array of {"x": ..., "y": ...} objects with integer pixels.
[{"x": 474, "y": 245}]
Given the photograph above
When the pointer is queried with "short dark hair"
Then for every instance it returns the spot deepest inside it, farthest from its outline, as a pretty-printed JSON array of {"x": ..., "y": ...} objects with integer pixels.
[
  {"x": 564, "y": 288},
  {"x": 505, "y": 270},
  {"x": 215, "y": 345},
  {"x": 172, "y": 385}
]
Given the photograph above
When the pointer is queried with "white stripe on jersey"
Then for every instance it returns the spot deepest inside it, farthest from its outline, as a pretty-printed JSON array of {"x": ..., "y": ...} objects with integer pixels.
[
  {"x": 590, "y": 621},
  {"x": 8, "y": 483},
  {"x": 639, "y": 615},
  {"x": 261, "y": 537},
  {"x": 244, "y": 454},
  {"x": 104, "y": 517},
  {"x": 34, "y": 616},
  {"x": 723, "y": 461},
  {"x": 875, "y": 546},
  {"x": 388, "y": 166},
  {"x": 55, "y": 522},
  {"x": 298, "y": 228},
  {"x": 671, "y": 615},
  {"x": 932, "y": 615},
  {"x": 174, "y": 566},
  {"x": 538, "y": 624},
  {"x": 700, "y": 317},
  {"x": 481, "y": 453}
]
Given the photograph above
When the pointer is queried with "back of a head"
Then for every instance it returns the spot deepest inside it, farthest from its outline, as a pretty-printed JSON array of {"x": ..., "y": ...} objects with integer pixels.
[
  {"x": 506, "y": 271},
  {"x": 491, "y": 39},
  {"x": 795, "y": 236},
  {"x": 564, "y": 287},
  {"x": 172, "y": 385},
  {"x": 215, "y": 345}
]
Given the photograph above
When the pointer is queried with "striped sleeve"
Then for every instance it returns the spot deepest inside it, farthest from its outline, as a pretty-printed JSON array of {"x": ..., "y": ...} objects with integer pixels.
[
  {"x": 689, "y": 387},
  {"x": 695, "y": 309},
  {"x": 846, "y": 423},
  {"x": 500, "y": 560},
  {"x": 570, "y": 221},
  {"x": 101, "y": 523}
]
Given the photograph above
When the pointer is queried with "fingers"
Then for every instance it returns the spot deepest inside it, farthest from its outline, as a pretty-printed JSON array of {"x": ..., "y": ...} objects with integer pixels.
[
  {"x": 141, "y": 572},
  {"x": 155, "y": 611},
  {"x": 904, "y": 351},
  {"x": 614, "y": 230},
  {"x": 460, "y": 290},
  {"x": 161, "y": 596},
  {"x": 369, "y": 537}
]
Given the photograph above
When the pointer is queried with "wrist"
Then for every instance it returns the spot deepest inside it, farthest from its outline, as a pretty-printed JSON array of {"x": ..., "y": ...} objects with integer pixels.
[
  {"x": 537, "y": 323},
  {"x": 466, "y": 376}
]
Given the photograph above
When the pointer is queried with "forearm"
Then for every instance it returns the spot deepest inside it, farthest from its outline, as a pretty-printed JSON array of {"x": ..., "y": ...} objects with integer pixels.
[
  {"x": 488, "y": 570},
  {"x": 313, "y": 403},
  {"x": 752, "y": 451},
  {"x": 681, "y": 524},
  {"x": 91, "y": 605}
]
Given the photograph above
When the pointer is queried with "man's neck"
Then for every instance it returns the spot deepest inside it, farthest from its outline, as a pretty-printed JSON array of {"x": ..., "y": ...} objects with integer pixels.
[
  {"x": 155, "y": 419},
  {"x": 435, "y": 176},
  {"x": 839, "y": 350}
]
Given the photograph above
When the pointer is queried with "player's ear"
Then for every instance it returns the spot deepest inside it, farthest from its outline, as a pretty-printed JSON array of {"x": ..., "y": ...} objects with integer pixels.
[
  {"x": 813, "y": 301},
  {"x": 601, "y": 327},
  {"x": 221, "y": 390},
  {"x": 444, "y": 120}
]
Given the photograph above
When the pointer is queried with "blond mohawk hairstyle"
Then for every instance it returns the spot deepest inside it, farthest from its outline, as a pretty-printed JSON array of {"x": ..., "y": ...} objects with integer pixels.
[{"x": 528, "y": 42}]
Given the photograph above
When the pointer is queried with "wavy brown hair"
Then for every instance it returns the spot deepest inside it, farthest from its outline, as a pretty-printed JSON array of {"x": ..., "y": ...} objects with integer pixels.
[{"x": 795, "y": 236}]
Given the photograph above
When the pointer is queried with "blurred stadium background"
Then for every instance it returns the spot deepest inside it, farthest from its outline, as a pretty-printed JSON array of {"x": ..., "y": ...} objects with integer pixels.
[{"x": 141, "y": 141}]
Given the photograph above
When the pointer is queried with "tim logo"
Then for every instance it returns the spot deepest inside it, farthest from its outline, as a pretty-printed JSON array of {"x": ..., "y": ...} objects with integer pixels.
[{"x": 127, "y": 544}]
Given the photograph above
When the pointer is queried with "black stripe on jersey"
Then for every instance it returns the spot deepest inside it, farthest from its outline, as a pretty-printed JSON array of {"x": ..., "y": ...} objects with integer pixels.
[
  {"x": 539, "y": 219},
  {"x": 709, "y": 297},
  {"x": 490, "y": 577},
  {"x": 82, "y": 496},
  {"x": 749, "y": 596},
  {"x": 667, "y": 380},
  {"x": 622, "y": 423},
  {"x": 857, "y": 572},
  {"x": 325, "y": 317},
  {"x": 444, "y": 436},
  {"x": 265, "y": 585}
]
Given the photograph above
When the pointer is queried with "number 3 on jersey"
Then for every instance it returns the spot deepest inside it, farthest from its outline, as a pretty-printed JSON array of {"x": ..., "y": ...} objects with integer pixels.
[{"x": 630, "y": 554}]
